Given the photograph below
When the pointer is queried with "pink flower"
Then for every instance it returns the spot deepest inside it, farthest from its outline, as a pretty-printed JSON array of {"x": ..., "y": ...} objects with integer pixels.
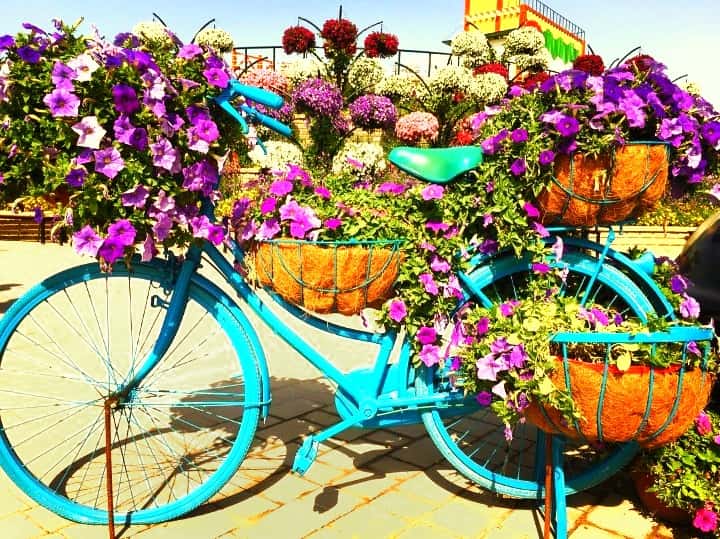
[
  {"x": 426, "y": 335},
  {"x": 397, "y": 311},
  {"x": 429, "y": 283},
  {"x": 703, "y": 425},
  {"x": 86, "y": 241},
  {"x": 430, "y": 355},
  {"x": 705, "y": 519},
  {"x": 433, "y": 192}
]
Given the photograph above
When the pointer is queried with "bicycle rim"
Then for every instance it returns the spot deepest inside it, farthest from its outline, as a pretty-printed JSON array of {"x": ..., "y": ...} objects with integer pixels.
[
  {"x": 72, "y": 341},
  {"x": 472, "y": 438}
]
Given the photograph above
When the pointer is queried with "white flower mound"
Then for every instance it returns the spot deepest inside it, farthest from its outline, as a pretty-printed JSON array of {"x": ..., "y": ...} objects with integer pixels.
[
  {"x": 362, "y": 160},
  {"x": 279, "y": 155},
  {"x": 215, "y": 38}
]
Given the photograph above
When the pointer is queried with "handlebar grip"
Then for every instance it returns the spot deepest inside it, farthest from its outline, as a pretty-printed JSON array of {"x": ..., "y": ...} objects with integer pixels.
[
  {"x": 258, "y": 95},
  {"x": 267, "y": 121}
]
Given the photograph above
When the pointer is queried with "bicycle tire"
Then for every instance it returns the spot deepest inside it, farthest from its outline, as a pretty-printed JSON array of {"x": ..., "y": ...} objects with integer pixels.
[
  {"x": 474, "y": 442},
  {"x": 181, "y": 435}
]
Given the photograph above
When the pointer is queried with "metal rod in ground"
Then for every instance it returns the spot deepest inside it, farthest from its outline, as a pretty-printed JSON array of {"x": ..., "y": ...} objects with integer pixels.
[
  {"x": 108, "y": 470},
  {"x": 547, "y": 533}
]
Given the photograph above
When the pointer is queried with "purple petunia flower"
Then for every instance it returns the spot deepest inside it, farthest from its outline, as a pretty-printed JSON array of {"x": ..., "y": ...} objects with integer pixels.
[
  {"x": 111, "y": 250},
  {"x": 440, "y": 265},
  {"x": 482, "y": 326},
  {"x": 333, "y": 223},
  {"x": 125, "y": 99},
  {"x": 268, "y": 205},
  {"x": 201, "y": 176},
  {"x": 123, "y": 231},
  {"x": 689, "y": 307},
  {"x": 191, "y": 50},
  {"x": 693, "y": 348},
  {"x": 539, "y": 267},
  {"x": 206, "y": 129},
  {"x": 28, "y": 54},
  {"x": 76, "y": 177},
  {"x": 322, "y": 192},
  {"x": 540, "y": 229},
  {"x": 165, "y": 156},
  {"x": 137, "y": 196},
  {"x": 436, "y": 226},
  {"x": 149, "y": 251},
  {"x": 531, "y": 211},
  {"x": 61, "y": 102},
  {"x": 108, "y": 162},
  {"x": 86, "y": 241},
  {"x": 63, "y": 76},
  {"x": 519, "y": 135},
  {"x": 567, "y": 126},
  {"x": 6, "y": 42},
  {"x": 281, "y": 187},
  {"x": 678, "y": 284},
  {"x": 705, "y": 520},
  {"x": 216, "y": 77}
]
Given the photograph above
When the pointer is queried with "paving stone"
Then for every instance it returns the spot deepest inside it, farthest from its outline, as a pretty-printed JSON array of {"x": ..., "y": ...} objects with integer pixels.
[
  {"x": 47, "y": 520},
  {"x": 618, "y": 515},
  {"x": 361, "y": 523},
  {"x": 473, "y": 519},
  {"x": 587, "y": 531},
  {"x": 17, "y": 526},
  {"x": 421, "y": 453}
]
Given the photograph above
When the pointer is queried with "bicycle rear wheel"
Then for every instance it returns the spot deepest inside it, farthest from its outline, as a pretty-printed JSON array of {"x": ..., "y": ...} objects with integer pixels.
[
  {"x": 72, "y": 341},
  {"x": 472, "y": 438}
]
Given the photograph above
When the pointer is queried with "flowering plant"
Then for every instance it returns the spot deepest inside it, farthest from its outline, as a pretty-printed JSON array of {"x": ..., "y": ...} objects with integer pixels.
[
  {"x": 373, "y": 111},
  {"x": 362, "y": 161},
  {"x": 417, "y": 126},
  {"x": 129, "y": 134},
  {"x": 364, "y": 75},
  {"x": 473, "y": 48},
  {"x": 508, "y": 356},
  {"x": 575, "y": 112},
  {"x": 340, "y": 37},
  {"x": 381, "y": 45},
  {"x": 215, "y": 39},
  {"x": 276, "y": 155},
  {"x": 298, "y": 39},
  {"x": 686, "y": 473}
]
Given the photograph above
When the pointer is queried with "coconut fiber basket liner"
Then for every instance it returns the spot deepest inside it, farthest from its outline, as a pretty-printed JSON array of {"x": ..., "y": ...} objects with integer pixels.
[
  {"x": 329, "y": 277},
  {"x": 652, "y": 406},
  {"x": 607, "y": 189}
]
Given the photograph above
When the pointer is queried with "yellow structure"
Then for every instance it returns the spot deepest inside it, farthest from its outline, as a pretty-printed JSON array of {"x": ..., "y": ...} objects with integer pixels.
[{"x": 563, "y": 38}]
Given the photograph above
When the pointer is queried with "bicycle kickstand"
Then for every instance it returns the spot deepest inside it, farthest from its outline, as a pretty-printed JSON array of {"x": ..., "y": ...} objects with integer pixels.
[{"x": 307, "y": 452}]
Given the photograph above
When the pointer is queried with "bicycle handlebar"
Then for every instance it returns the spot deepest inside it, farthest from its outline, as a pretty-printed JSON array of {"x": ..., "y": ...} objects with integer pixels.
[{"x": 258, "y": 95}]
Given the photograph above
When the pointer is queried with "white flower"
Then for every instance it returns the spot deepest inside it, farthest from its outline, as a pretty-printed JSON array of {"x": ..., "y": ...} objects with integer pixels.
[
  {"x": 84, "y": 66},
  {"x": 524, "y": 40},
  {"x": 215, "y": 38},
  {"x": 402, "y": 86},
  {"x": 90, "y": 132},
  {"x": 152, "y": 33},
  {"x": 365, "y": 73},
  {"x": 488, "y": 88},
  {"x": 532, "y": 62},
  {"x": 362, "y": 160},
  {"x": 473, "y": 47},
  {"x": 302, "y": 69},
  {"x": 279, "y": 155},
  {"x": 451, "y": 79}
]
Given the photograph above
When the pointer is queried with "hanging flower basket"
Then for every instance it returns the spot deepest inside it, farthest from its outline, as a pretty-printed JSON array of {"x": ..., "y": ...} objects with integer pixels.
[
  {"x": 652, "y": 406},
  {"x": 608, "y": 189},
  {"x": 329, "y": 277},
  {"x": 619, "y": 414}
]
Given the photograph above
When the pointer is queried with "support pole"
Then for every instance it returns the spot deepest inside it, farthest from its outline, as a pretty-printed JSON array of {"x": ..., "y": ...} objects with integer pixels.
[{"x": 108, "y": 469}]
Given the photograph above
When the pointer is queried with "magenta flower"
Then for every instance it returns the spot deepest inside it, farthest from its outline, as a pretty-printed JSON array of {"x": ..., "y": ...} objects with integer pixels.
[
  {"x": 539, "y": 267},
  {"x": 268, "y": 230},
  {"x": 63, "y": 76},
  {"x": 322, "y": 192},
  {"x": 540, "y": 229},
  {"x": 281, "y": 187},
  {"x": 111, "y": 250},
  {"x": 439, "y": 265},
  {"x": 693, "y": 348},
  {"x": 149, "y": 251},
  {"x": 162, "y": 227},
  {"x": 558, "y": 248},
  {"x": 546, "y": 157},
  {"x": 705, "y": 520},
  {"x": 108, "y": 162},
  {"x": 567, "y": 126},
  {"x": 122, "y": 231},
  {"x": 489, "y": 366},
  {"x": 678, "y": 284},
  {"x": 703, "y": 425},
  {"x": 689, "y": 307},
  {"x": 62, "y": 103},
  {"x": 397, "y": 310},
  {"x": 430, "y": 355},
  {"x": 191, "y": 50},
  {"x": 426, "y": 335},
  {"x": 531, "y": 211},
  {"x": 436, "y": 226},
  {"x": 268, "y": 205},
  {"x": 519, "y": 135},
  {"x": 432, "y": 192},
  {"x": 518, "y": 167},
  {"x": 165, "y": 156},
  {"x": 205, "y": 129},
  {"x": 333, "y": 223},
  {"x": 429, "y": 283},
  {"x": 484, "y": 398},
  {"x": 482, "y": 326},
  {"x": 508, "y": 308}
]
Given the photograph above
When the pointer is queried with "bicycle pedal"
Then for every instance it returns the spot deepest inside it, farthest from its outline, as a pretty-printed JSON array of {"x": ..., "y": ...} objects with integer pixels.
[{"x": 305, "y": 456}]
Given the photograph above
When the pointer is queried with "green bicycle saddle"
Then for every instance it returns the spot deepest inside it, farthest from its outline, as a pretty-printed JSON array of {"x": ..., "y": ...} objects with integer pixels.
[{"x": 436, "y": 165}]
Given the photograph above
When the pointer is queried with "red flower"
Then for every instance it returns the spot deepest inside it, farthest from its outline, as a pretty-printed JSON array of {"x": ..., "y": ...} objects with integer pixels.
[
  {"x": 381, "y": 45},
  {"x": 492, "y": 68},
  {"x": 463, "y": 138},
  {"x": 590, "y": 63},
  {"x": 298, "y": 39},
  {"x": 641, "y": 62},
  {"x": 340, "y": 35},
  {"x": 534, "y": 80}
]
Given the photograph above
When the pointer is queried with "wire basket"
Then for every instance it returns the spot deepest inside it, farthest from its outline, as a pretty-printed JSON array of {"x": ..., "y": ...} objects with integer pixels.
[
  {"x": 607, "y": 189},
  {"x": 652, "y": 406},
  {"x": 329, "y": 277}
]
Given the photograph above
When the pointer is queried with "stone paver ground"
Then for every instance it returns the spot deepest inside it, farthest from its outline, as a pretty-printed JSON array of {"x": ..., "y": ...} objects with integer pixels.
[{"x": 364, "y": 484}]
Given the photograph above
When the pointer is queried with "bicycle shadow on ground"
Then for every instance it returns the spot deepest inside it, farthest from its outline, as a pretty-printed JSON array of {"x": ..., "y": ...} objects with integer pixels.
[{"x": 5, "y": 303}]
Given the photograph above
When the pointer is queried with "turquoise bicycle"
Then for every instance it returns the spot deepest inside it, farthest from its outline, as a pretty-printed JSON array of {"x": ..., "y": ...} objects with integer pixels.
[{"x": 137, "y": 393}]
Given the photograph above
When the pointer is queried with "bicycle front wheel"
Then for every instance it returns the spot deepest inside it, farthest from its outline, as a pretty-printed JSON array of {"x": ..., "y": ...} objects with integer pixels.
[
  {"x": 71, "y": 342},
  {"x": 472, "y": 439}
]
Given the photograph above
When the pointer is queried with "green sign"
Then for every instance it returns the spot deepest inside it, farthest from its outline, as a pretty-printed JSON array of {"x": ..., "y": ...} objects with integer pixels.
[{"x": 559, "y": 48}]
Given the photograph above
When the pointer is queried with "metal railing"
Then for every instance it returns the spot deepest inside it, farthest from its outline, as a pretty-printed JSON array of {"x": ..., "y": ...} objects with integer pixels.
[
  {"x": 275, "y": 56},
  {"x": 549, "y": 13}
]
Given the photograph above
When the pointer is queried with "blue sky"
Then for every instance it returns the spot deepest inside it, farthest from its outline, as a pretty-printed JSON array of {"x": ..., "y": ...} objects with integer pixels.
[{"x": 685, "y": 35}]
